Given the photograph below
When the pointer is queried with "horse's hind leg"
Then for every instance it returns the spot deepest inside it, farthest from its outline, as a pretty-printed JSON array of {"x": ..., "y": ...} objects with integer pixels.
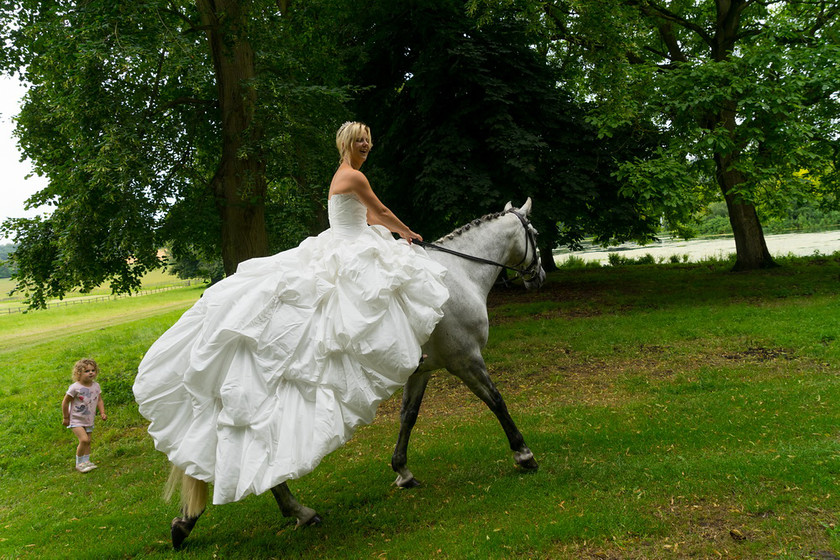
[
  {"x": 475, "y": 376},
  {"x": 412, "y": 397},
  {"x": 290, "y": 507},
  {"x": 193, "y": 502},
  {"x": 181, "y": 528}
]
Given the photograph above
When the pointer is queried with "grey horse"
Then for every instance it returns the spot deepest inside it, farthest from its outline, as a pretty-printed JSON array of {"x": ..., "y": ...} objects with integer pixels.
[
  {"x": 473, "y": 256},
  {"x": 458, "y": 339}
]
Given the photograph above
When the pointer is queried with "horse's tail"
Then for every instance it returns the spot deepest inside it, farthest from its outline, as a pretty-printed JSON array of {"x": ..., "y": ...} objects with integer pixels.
[{"x": 193, "y": 492}]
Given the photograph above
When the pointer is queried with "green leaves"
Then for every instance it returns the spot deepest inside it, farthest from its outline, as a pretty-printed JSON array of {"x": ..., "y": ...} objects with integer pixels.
[
  {"x": 123, "y": 118},
  {"x": 747, "y": 105},
  {"x": 467, "y": 117}
]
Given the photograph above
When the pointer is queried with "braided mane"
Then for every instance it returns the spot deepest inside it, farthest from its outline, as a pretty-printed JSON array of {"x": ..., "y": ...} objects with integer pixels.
[{"x": 475, "y": 223}]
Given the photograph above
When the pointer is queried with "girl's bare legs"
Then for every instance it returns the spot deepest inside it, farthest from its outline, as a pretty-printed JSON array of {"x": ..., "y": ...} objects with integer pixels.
[
  {"x": 84, "y": 441},
  {"x": 83, "y": 463}
]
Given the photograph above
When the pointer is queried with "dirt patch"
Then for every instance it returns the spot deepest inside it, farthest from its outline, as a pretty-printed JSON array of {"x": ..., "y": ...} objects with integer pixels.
[
  {"x": 708, "y": 528},
  {"x": 575, "y": 379},
  {"x": 760, "y": 354}
]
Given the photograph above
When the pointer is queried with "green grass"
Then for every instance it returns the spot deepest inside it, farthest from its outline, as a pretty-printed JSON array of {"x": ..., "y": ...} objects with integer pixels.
[
  {"x": 676, "y": 411},
  {"x": 156, "y": 280}
]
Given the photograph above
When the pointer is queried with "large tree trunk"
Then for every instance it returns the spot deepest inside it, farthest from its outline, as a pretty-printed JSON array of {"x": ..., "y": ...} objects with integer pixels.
[
  {"x": 239, "y": 185},
  {"x": 750, "y": 247},
  {"x": 547, "y": 258}
]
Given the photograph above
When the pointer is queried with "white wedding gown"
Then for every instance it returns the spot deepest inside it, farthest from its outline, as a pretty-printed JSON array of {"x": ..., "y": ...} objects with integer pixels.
[{"x": 276, "y": 365}]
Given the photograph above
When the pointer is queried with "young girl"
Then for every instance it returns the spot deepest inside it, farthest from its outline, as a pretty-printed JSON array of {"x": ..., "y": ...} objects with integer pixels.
[{"x": 79, "y": 408}]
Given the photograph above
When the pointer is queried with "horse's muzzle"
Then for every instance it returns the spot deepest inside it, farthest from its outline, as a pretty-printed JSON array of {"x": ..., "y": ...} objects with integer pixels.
[{"x": 535, "y": 280}]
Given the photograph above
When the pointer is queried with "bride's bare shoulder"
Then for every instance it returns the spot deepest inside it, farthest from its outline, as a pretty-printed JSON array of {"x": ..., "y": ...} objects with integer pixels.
[{"x": 347, "y": 180}]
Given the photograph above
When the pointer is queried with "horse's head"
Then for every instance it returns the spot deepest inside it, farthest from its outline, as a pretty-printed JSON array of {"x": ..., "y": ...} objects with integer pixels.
[{"x": 532, "y": 273}]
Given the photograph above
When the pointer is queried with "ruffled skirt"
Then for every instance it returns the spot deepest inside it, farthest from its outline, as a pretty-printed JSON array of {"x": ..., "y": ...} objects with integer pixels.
[{"x": 276, "y": 366}]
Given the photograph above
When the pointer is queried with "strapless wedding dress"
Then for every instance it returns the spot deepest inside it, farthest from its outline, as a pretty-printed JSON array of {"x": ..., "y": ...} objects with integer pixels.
[{"x": 278, "y": 364}]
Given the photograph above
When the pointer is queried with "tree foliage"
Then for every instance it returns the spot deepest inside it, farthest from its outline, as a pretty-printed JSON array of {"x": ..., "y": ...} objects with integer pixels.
[
  {"x": 207, "y": 127},
  {"x": 468, "y": 117},
  {"x": 746, "y": 93},
  {"x": 199, "y": 126},
  {"x": 154, "y": 122},
  {"x": 5, "y": 269}
]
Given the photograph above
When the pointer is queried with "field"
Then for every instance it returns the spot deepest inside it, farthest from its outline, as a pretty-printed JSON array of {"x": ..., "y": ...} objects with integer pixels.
[
  {"x": 676, "y": 411},
  {"x": 157, "y": 280}
]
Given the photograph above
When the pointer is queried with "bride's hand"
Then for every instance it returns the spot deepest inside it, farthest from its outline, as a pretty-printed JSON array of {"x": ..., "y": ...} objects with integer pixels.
[{"x": 411, "y": 236}]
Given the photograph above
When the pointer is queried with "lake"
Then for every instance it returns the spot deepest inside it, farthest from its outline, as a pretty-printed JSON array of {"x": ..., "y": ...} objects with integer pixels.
[{"x": 802, "y": 244}]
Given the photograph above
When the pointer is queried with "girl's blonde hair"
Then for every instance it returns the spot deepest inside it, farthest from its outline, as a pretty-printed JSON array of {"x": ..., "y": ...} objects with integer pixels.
[
  {"x": 80, "y": 366},
  {"x": 348, "y": 133}
]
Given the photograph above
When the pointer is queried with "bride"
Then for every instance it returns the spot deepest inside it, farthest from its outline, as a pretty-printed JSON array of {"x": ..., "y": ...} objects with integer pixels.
[{"x": 278, "y": 364}]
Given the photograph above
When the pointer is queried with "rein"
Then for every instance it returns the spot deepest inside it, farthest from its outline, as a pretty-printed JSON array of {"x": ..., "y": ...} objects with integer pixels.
[{"x": 528, "y": 273}]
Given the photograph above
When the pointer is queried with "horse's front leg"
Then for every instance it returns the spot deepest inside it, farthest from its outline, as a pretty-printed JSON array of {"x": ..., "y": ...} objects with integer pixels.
[
  {"x": 412, "y": 397},
  {"x": 290, "y": 507},
  {"x": 474, "y": 375}
]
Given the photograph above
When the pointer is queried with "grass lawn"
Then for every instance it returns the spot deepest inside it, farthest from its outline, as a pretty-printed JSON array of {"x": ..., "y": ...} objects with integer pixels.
[
  {"x": 155, "y": 280},
  {"x": 676, "y": 411}
]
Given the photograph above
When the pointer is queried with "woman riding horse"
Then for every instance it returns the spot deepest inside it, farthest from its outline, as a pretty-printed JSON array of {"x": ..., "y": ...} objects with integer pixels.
[{"x": 277, "y": 365}]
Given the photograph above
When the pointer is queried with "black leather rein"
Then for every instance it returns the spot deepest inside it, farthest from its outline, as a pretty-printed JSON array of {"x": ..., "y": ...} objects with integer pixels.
[{"x": 528, "y": 273}]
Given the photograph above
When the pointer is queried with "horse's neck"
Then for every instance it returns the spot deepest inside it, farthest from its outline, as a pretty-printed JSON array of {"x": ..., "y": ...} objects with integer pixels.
[{"x": 489, "y": 240}]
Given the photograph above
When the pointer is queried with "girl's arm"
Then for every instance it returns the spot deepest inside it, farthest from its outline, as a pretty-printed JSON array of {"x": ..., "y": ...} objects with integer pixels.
[
  {"x": 101, "y": 406},
  {"x": 65, "y": 409}
]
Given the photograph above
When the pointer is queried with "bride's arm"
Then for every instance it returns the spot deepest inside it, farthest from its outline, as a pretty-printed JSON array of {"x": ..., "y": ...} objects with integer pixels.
[{"x": 378, "y": 213}]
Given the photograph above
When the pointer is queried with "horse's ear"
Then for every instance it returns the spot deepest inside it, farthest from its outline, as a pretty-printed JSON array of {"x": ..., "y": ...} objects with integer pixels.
[
  {"x": 526, "y": 208},
  {"x": 508, "y": 206}
]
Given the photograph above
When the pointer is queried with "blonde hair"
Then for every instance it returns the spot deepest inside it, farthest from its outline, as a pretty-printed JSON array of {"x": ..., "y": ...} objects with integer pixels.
[
  {"x": 348, "y": 133},
  {"x": 80, "y": 366}
]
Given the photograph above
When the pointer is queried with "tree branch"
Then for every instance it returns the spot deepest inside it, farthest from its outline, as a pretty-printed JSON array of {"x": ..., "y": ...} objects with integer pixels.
[
  {"x": 186, "y": 101},
  {"x": 824, "y": 18},
  {"x": 192, "y": 27},
  {"x": 651, "y": 9},
  {"x": 666, "y": 32}
]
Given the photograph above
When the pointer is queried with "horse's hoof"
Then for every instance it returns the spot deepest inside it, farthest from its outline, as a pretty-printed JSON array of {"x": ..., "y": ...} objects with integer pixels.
[
  {"x": 409, "y": 483},
  {"x": 307, "y": 517},
  {"x": 529, "y": 465},
  {"x": 313, "y": 521},
  {"x": 179, "y": 531}
]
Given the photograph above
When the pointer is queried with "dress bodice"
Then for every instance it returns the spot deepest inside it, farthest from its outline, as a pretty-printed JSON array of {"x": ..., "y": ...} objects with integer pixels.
[{"x": 348, "y": 215}]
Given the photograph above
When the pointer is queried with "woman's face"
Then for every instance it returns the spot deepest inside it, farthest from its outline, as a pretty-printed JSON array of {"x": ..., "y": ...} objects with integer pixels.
[{"x": 361, "y": 149}]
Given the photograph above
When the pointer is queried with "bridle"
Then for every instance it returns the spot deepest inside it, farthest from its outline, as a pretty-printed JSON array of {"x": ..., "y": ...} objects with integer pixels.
[{"x": 528, "y": 274}]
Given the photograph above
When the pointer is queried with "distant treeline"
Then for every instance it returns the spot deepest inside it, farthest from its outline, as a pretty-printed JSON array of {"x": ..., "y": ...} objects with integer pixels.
[
  {"x": 806, "y": 217},
  {"x": 5, "y": 268}
]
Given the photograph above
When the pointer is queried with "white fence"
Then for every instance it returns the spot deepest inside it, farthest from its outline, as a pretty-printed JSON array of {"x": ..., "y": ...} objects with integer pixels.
[{"x": 93, "y": 299}]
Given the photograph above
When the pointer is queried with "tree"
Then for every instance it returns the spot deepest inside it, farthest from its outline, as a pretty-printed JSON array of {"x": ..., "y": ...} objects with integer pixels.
[
  {"x": 239, "y": 183},
  {"x": 154, "y": 123},
  {"x": 190, "y": 268},
  {"x": 746, "y": 92},
  {"x": 466, "y": 118},
  {"x": 5, "y": 269}
]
